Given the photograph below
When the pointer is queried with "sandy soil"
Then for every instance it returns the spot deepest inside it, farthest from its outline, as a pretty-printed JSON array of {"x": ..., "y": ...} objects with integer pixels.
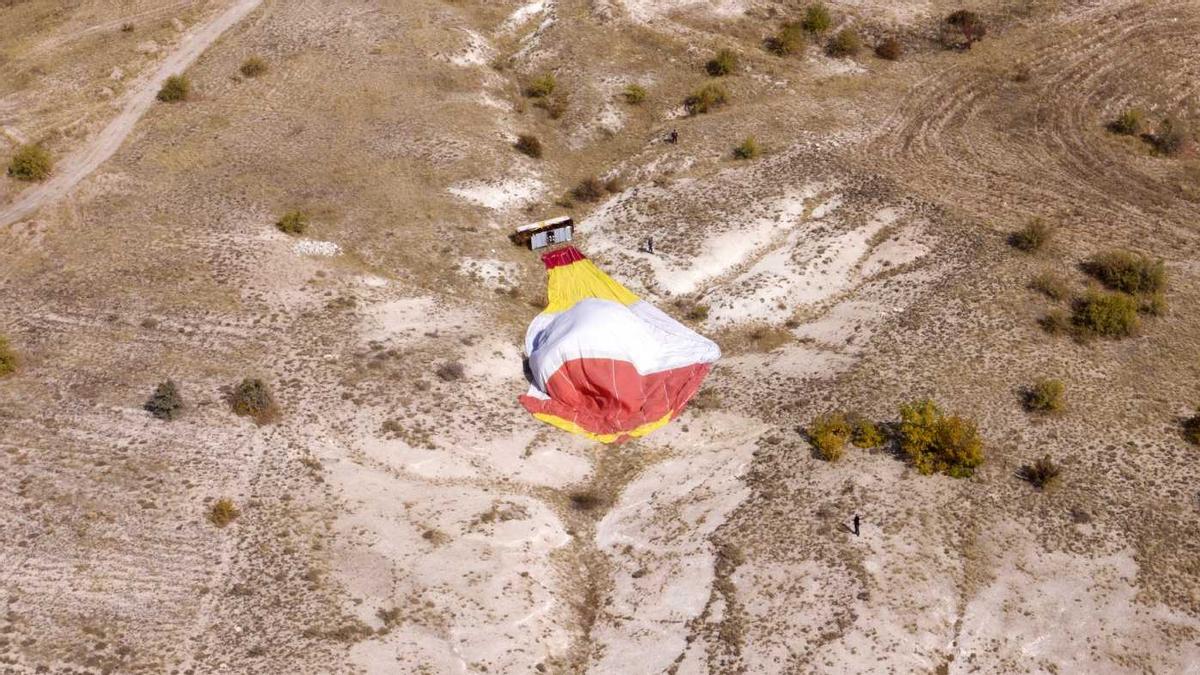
[{"x": 397, "y": 518}]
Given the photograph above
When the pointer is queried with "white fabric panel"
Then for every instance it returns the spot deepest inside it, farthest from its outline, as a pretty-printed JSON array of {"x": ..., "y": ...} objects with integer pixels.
[{"x": 594, "y": 328}]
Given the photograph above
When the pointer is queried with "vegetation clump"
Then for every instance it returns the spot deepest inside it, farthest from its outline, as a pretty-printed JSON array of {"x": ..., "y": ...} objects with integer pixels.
[
  {"x": 1127, "y": 271},
  {"x": 252, "y": 398},
  {"x": 8, "y": 358},
  {"x": 816, "y": 18},
  {"x": 292, "y": 222},
  {"x": 1032, "y": 237},
  {"x": 723, "y": 63},
  {"x": 31, "y": 163},
  {"x": 1130, "y": 122},
  {"x": 1045, "y": 396},
  {"x": 748, "y": 149},
  {"x": 223, "y": 512},
  {"x": 962, "y": 29},
  {"x": 634, "y": 94},
  {"x": 253, "y": 66},
  {"x": 1042, "y": 474},
  {"x": 828, "y": 434},
  {"x": 706, "y": 98},
  {"x": 938, "y": 443},
  {"x": 541, "y": 86},
  {"x": 165, "y": 403},
  {"x": 1051, "y": 285},
  {"x": 866, "y": 434},
  {"x": 1104, "y": 314},
  {"x": 1173, "y": 137},
  {"x": 528, "y": 144},
  {"x": 175, "y": 89},
  {"x": 890, "y": 49},
  {"x": 845, "y": 43},
  {"x": 790, "y": 40},
  {"x": 590, "y": 189}
]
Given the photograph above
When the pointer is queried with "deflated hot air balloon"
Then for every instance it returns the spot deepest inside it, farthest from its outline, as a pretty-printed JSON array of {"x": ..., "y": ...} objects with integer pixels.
[{"x": 604, "y": 363}]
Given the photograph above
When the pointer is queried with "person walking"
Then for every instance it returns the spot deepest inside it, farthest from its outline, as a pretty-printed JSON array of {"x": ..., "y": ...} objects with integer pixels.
[
  {"x": 856, "y": 524},
  {"x": 673, "y": 137}
]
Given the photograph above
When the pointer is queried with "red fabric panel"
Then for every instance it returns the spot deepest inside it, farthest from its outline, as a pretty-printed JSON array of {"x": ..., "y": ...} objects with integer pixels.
[
  {"x": 608, "y": 396},
  {"x": 561, "y": 256}
]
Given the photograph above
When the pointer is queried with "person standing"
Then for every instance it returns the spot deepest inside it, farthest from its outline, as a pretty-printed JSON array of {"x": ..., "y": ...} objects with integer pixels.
[{"x": 856, "y": 524}]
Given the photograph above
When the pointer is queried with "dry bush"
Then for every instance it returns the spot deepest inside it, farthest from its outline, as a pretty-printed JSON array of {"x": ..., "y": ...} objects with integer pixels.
[
  {"x": 723, "y": 63},
  {"x": 254, "y": 66},
  {"x": 748, "y": 149},
  {"x": 555, "y": 106},
  {"x": 706, "y": 98},
  {"x": 866, "y": 434},
  {"x": 127, "y": 27},
  {"x": 31, "y": 163},
  {"x": 541, "y": 86},
  {"x": 1172, "y": 138},
  {"x": 1129, "y": 123},
  {"x": 634, "y": 94},
  {"x": 845, "y": 43},
  {"x": 1152, "y": 304},
  {"x": 1032, "y": 237},
  {"x": 1191, "y": 429},
  {"x": 816, "y": 18},
  {"x": 828, "y": 435},
  {"x": 1050, "y": 284},
  {"x": 1127, "y": 271},
  {"x": 615, "y": 184},
  {"x": 1099, "y": 313},
  {"x": 1056, "y": 322},
  {"x": 292, "y": 222},
  {"x": 165, "y": 403},
  {"x": 790, "y": 40},
  {"x": 938, "y": 443},
  {"x": 252, "y": 398},
  {"x": 1045, "y": 396},
  {"x": 175, "y": 89},
  {"x": 890, "y": 49},
  {"x": 450, "y": 372},
  {"x": 590, "y": 189},
  {"x": 8, "y": 358},
  {"x": 697, "y": 313},
  {"x": 528, "y": 144},
  {"x": 962, "y": 29},
  {"x": 1042, "y": 474},
  {"x": 223, "y": 512}
]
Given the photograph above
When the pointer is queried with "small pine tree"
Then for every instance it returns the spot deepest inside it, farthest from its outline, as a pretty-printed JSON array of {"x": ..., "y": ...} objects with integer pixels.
[{"x": 165, "y": 403}]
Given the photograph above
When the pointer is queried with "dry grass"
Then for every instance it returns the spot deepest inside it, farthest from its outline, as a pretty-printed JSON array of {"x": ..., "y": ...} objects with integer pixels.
[
  {"x": 590, "y": 189},
  {"x": 292, "y": 222},
  {"x": 747, "y": 149},
  {"x": 845, "y": 43},
  {"x": 725, "y": 62},
  {"x": 1042, "y": 474},
  {"x": 8, "y": 358},
  {"x": 790, "y": 40},
  {"x": 541, "y": 86},
  {"x": 223, "y": 512},
  {"x": 31, "y": 163},
  {"x": 528, "y": 144},
  {"x": 1051, "y": 285},
  {"x": 177, "y": 88},
  {"x": 706, "y": 99},
  {"x": 889, "y": 49},
  {"x": 634, "y": 94},
  {"x": 1045, "y": 396},
  {"x": 817, "y": 19},
  {"x": 254, "y": 67},
  {"x": 1033, "y": 236}
]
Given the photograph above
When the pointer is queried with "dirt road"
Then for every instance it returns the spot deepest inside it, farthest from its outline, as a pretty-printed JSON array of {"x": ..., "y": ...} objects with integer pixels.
[{"x": 79, "y": 164}]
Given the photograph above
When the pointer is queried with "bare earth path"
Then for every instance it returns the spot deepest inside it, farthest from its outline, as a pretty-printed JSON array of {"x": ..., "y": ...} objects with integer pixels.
[{"x": 74, "y": 168}]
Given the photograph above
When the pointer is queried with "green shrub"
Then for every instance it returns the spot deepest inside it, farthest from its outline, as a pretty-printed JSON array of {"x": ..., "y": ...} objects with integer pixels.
[
  {"x": 939, "y": 443},
  {"x": 8, "y": 358},
  {"x": 816, "y": 18},
  {"x": 845, "y": 43},
  {"x": 1127, "y": 271},
  {"x": 292, "y": 222},
  {"x": 866, "y": 434},
  {"x": 1191, "y": 428},
  {"x": 828, "y": 434},
  {"x": 1106, "y": 314},
  {"x": 1051, "y": 285},
  {"x": 706, "y": 98},
  {"x": 165, "y": 403},
  {"x": 528, "y": 144},
  {"x": 748, "y": 149},
  {"x": 252, "y": 398},
  {"x": 541, "y": 86},
  {"x": 1129, "y": 123},
  {"x": 1032, "y": 237},
  {"x": 634, "y": 94},
  {"x": 589, "y": 189},
  {"x": 175, "y": 89},
  {"x": 1045, "y": 396},
  {"x": 890, "y": 49},
  {"x": 253, "y": 66},
  {"x": 724, "y": 63},
  {"x": 1042, "y": 474},
  {"x": 222, "y": 512},
  {"x": 31, "y": 162},
  {"x": 790, "y": 40}
]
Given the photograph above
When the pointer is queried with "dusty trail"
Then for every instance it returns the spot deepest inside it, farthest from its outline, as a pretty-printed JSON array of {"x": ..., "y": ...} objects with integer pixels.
[{"x": 78, "y": 165}]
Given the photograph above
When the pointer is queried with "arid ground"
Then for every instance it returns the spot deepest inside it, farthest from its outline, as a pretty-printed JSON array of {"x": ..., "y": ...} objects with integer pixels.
[{"x": 404, "y": 515}]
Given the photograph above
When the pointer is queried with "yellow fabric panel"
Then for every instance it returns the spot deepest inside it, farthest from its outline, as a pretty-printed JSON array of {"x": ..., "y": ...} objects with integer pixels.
[
  {"x": 568, "y": 284},
  {"x": 567, "y": 425}
]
